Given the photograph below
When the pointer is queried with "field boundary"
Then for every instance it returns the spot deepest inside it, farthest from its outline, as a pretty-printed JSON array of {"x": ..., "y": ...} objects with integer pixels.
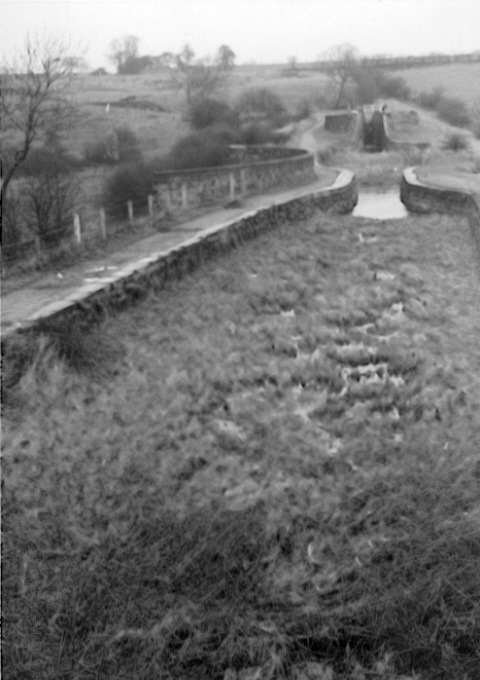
[
  {"x": 419, "y": 197},
  {"x": 135, "y": 279}
]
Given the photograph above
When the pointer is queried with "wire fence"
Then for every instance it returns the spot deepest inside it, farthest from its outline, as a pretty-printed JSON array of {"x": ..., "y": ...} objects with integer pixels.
[{"x": 77, "y": 229}]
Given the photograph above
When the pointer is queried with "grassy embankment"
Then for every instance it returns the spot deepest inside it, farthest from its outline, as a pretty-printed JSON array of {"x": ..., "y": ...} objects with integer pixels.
[{"x": 276, "y": 475}]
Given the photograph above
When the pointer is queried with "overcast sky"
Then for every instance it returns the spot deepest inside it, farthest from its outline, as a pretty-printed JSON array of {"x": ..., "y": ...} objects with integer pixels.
[{"x": 264, "y": 31}]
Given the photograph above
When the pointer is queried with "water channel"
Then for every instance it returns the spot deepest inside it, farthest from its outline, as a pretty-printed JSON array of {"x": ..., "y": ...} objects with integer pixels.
[{"x": 380, "y": 206}]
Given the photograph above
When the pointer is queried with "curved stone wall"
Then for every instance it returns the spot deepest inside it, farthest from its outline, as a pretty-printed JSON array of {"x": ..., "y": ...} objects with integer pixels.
[
  {"x": 135, "y": 280},
  {"x": 424, "y": 198},
  {"x": 340, "y": 121},
  {"x": 253, "y": 170}
]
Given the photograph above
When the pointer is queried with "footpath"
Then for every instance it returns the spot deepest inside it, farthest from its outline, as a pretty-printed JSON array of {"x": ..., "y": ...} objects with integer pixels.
[{"x": 57, "y": 290}]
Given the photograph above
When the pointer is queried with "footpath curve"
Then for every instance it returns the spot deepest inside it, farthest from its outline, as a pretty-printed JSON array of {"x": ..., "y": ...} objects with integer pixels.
[{"x": 126, "y": 275}]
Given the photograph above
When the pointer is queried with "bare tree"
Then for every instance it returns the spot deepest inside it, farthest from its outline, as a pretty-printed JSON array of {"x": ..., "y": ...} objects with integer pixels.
[
  {"x": 122, "y": 50},
  {"x": 199, "y": 79},
  {"x": 225, "y": 58},
  {"x": 343, "y": 65},
  {"x": 49, "y": 196},
  {"x": 34, "y": 98}
]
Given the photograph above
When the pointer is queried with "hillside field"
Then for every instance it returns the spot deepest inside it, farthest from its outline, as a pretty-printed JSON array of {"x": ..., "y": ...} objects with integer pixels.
[
  {"x": 459, "y": 80},
  {"x": 155, "y": 111}
]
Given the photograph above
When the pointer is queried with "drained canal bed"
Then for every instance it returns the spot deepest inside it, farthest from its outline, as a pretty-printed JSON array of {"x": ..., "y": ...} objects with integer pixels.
[
  {"x": 279, "y": 475},
  {"x": 382, "y": 206}
]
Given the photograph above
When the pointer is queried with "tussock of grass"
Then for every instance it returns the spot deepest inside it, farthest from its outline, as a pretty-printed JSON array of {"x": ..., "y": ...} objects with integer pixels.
[
  {"x": 279, "y": 479},
  {"x": 79, "y": 347}
]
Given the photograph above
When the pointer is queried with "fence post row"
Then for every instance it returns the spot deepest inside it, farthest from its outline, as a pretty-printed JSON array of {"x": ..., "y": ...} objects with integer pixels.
[{"x": 77, "y": 227}]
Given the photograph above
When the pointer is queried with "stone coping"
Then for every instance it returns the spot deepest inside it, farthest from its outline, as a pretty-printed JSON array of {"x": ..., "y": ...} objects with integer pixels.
[
  {"x": 424, "y": 197},
  {"x": 85, "y": 294},
  {"x": 410, "y": 177},
  {"x": 292, "y": 157}
]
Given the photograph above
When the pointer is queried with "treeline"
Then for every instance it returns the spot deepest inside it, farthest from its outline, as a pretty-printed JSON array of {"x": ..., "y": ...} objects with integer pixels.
[{"x": 398, "y": 63}]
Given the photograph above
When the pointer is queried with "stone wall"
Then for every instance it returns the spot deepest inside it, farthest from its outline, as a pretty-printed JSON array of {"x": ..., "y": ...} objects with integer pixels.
[
  {"x": 423, "y": 198},
  {"x": 253, "y": 170},
  {"x": 135, "y": 280},
  {"x": 342, "y": 121}
]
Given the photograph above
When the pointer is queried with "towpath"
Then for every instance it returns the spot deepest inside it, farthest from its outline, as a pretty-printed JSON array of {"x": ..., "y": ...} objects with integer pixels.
[{"x": 42, "y": 295}]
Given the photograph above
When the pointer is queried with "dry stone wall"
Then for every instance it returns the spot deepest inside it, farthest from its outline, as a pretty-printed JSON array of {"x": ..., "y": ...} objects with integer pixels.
[
  {"x": 154, "y": 272},
  {"x": 423, "y": 198},
  {"x": 252, "y": 170},
  {"x": 343, "y": 121}
]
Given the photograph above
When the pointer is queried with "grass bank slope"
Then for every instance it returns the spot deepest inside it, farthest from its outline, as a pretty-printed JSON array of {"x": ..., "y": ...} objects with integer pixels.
[{"x": 276, "y": 475}]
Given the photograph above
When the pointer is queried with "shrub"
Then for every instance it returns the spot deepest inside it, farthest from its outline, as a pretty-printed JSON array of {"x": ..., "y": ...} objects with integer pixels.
[
  {"x": 102, "y": 150},
  {"x": 49, "y": 193},
  {"x": 262, "y": 102},
  {"x": 431, "y": 100},
  {"x": 120, "y": 145},
  {"x": 304, "y": 110},
  {"x": 127, "y": 144},
  {"x": 129, "y": 182},
  {"x": 257, "y": 133},
  {"x": 207, "y": 148},
  {"x": 394, "y": 86},
  {"x": 208, "y": 112},
  {"x": 455, "y": 142},
  {"x": 454, "y": 111}
]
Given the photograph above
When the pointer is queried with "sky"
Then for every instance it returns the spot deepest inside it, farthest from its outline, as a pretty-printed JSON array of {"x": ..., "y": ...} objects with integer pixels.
[{"x": 262, "y": 31}]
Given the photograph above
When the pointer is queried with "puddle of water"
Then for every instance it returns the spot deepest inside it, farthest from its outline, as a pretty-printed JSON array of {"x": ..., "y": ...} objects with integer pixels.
[{"x": 385, "y": 206}]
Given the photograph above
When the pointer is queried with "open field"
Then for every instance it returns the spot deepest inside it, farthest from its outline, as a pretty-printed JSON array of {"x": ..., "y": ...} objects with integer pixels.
[
  {"x": 268, "y": 470},
  {"x": 459, "y": 80}
]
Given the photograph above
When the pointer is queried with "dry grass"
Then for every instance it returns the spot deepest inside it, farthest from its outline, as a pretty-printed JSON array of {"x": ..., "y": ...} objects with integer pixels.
[{"x": 281, "y": 480}]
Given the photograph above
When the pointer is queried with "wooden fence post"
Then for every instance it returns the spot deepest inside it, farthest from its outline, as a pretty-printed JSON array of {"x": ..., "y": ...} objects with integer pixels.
[
  {"x": 244, "y": 181},
  {"x": 76, "y": 229},
  {"x": 130, "y": 212},
  {"x": 232, "y": 186},
  {"x": 168, "y": 200},
  {"x": 103, "y": 225},
  {"x": 184, "y": 196},
  {"x": 150, "y": 206}
]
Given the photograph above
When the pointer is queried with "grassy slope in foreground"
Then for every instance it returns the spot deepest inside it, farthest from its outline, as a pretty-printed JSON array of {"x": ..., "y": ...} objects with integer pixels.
[{"x": 281, "y": 473}]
